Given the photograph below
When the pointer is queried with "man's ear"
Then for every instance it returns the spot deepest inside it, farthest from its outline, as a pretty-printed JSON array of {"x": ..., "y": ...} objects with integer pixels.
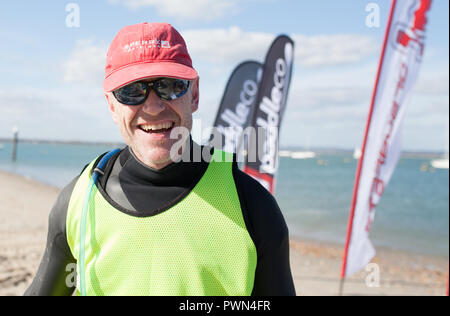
[
  {"x": 195, "y": 94},
  {"x": 111, "y": 106}
]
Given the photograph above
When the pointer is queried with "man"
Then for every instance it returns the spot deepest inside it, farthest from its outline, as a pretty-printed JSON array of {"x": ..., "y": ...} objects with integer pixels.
[{"x": 152, "y": 224}]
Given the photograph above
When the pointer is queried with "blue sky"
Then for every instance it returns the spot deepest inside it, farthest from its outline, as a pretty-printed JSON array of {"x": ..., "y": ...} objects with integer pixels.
[{"x": 52, "y": 74}]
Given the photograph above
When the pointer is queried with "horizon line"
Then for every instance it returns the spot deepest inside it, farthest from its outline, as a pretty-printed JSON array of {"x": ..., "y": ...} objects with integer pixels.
[{"x": 282, "y": 147}]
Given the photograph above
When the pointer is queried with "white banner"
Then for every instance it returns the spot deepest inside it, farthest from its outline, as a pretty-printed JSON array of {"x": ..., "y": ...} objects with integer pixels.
[{"x": 402, "y": 54}]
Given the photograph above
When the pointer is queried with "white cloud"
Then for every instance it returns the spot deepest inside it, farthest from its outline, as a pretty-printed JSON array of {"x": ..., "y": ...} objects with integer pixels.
[
  {"x": 436, "y": 82},
  {"x": 333, "y": 49},
  {"x": 233, "y": 45},
  {"x": 34, "y": 113},
  {"x": 205, "y": 10},
  {"x": 227, "y": 46},
  {"x": 331, "y": 88},
  {"x": 320, "y": 97},
  {"x": 86, "y": 63},
  {"x": 64, "y": 114},
  {"x": 224, "y": 49}
]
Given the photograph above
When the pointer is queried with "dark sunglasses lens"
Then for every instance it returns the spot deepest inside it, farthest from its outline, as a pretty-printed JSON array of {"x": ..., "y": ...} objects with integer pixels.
[
  {"x": 171, "y": 89},
  {"x": 132, "y": 94}
]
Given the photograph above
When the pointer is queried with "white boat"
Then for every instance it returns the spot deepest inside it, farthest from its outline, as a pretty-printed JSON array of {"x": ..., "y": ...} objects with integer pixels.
[
  {"x": 284, "y": 153},
  {"x": 303, "y": 155},
  {"x": 357, "y": 153},
  {"x": 441, "y": 163}
]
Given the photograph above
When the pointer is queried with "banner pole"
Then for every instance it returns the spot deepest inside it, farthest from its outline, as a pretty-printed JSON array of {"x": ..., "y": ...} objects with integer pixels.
[
  {"x": 363, "y": 150},
  {"x": 341, "y": 286}
]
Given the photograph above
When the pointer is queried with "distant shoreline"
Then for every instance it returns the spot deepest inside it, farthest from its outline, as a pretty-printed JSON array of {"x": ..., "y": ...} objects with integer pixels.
[
  {"x": 62, "y": 142},
  {"x": 318, "y": 150}
]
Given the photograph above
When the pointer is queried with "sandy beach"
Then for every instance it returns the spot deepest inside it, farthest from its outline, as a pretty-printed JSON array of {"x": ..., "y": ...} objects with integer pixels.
[{"x": 25, "y": 205}]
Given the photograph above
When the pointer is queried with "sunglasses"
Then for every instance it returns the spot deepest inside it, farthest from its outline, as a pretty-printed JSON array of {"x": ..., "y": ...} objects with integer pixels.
[{"x": 136, "y": 93}]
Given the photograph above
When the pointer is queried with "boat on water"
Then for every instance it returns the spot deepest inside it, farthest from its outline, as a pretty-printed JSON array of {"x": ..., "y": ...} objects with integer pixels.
[
  {"x": 357, "y": 153},
  {"x": 441, "y": 163},
  {"x": 284, "y": 153},
  {"x": 303, "y": 155}
]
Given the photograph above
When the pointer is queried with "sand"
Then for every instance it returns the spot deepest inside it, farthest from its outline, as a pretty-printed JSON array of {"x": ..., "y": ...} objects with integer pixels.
[{"x": 25, "y": 205}]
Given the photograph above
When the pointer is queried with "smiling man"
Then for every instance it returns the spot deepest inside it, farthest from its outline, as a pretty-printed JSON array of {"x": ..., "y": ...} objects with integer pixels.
[{"x": 151, "y": 224}]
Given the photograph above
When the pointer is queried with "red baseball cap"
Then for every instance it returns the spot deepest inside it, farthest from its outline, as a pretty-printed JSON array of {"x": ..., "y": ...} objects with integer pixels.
[{"x": 147, "y": 50}]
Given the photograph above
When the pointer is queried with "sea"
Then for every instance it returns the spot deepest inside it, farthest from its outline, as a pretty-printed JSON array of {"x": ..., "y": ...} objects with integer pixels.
[{"x": 314, "y": 194}]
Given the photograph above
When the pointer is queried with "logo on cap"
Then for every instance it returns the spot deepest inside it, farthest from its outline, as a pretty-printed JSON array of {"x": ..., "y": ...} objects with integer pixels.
[{"x": 146, "y": 44}]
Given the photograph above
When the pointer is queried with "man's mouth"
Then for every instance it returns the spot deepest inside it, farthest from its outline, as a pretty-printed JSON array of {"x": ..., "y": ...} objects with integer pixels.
[{"x": 158, "y": 128}]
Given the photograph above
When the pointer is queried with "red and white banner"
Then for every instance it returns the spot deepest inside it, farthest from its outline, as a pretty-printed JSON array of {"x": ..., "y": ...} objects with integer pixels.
[{"x": 399, "y": 66}]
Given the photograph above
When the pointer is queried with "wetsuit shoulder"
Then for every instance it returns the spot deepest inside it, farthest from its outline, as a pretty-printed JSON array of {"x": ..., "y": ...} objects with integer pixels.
[
  {"x": 57, "y": 263},
  {"x": 269, "y": 232},
  {"x": 54, "y": 269}
]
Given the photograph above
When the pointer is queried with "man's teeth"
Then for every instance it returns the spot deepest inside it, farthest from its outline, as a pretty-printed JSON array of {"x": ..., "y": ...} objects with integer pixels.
[{"x": 156, "y": 127}]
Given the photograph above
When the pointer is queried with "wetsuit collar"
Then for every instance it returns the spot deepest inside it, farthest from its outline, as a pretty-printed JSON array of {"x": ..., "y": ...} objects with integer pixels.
[{"x": 176, "y": 174}]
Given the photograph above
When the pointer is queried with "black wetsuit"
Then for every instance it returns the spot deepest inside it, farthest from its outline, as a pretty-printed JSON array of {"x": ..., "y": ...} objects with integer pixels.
[{"x": 128, "y": 184}]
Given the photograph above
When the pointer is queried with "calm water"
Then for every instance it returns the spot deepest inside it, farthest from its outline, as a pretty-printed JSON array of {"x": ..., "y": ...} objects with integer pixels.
[{"x": 314, "y": 194}]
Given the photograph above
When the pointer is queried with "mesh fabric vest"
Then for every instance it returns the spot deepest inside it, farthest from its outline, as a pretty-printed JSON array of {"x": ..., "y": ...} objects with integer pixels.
[{"x": 199, "y": 246}]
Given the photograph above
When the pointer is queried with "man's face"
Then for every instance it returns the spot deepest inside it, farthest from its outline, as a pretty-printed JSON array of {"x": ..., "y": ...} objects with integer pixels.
[{"x": 144, "y": 127}]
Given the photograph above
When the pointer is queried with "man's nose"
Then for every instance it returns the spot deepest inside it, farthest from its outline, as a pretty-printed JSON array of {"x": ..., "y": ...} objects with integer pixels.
[{"x": 153, "y": 105}]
